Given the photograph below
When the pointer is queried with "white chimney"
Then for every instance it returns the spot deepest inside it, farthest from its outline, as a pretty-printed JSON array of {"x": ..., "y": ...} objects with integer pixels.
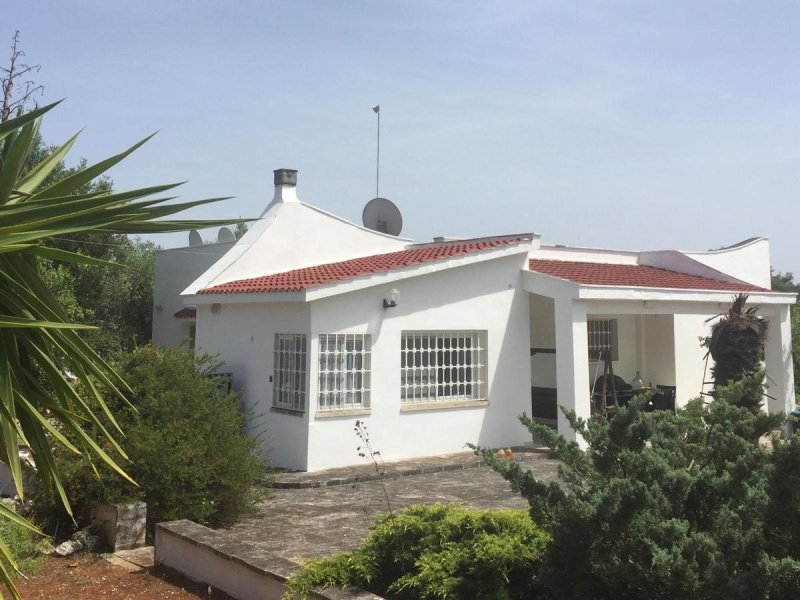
[{"x": 285, "y": 186}]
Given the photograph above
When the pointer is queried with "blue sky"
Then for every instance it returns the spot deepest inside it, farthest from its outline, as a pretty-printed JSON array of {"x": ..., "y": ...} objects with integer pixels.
[{"x": 625, "y": 124}]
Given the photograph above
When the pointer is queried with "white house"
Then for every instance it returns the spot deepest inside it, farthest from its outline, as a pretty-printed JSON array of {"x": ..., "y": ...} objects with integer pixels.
[
  {"x": 322, "y": 322},
  {"x": 174, "y": 323}
]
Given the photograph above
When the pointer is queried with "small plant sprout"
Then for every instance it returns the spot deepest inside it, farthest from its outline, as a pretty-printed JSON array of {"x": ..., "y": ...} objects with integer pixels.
[{"x": 365, "y": 450}]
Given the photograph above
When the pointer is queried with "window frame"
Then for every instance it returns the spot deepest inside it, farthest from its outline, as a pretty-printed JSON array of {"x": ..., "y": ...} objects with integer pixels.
[
  {"x": 602, "y": 336},
  {"x": 344, "y": 372},
  {"x": 290, "y": 372},
  {"x": 442, "y": 367}
]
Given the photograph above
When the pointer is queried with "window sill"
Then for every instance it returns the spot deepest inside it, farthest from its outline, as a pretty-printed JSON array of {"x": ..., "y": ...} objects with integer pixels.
[
  {"x": 346, "y": 412},
  {"x": 442, "y": 405},
  {"x": 287, "y": 411}
]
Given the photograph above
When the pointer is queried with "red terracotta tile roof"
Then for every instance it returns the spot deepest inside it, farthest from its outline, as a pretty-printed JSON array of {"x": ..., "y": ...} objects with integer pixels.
[
  {"x": 309, "y": 277},
  {"x": 186, "y": 313},
  {"x": 633, "y": 275}
]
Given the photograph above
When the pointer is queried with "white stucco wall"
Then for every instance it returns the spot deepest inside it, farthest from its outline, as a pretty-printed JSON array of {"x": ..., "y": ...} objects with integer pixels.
[
  {"x": 600, "y": 255},
  {"x": 778, "y": 357},
  {"x": 658, "y": 365},
  {"x": 690, "y": 364},
  {"x": 748, "y": 261},
  {"x": 482, "y": 296},
  {"x": 292, "y": 235},
  {"x": 485, "y": 296},
  {"x": 672, "y": 260},
  {"x": 174, "y": 270},
  {"x": 243, "y": 335}
]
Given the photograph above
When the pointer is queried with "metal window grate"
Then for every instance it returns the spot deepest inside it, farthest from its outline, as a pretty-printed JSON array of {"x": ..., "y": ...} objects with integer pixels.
[
  {"x": 603, "y": 338},
  {"x": 442, "y": 366},
  {"x": 289, "y": 381},
  {"x": 344, "y": 371}
]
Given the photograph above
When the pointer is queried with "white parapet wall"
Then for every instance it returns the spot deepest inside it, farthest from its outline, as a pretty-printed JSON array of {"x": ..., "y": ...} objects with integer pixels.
[{"x": 221, "y": 560}]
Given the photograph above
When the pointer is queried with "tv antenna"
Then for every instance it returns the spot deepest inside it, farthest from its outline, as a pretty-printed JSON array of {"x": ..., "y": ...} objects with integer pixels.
[
  {"x": 382, "y": 215},
  {"x": 377, "y": 110}
]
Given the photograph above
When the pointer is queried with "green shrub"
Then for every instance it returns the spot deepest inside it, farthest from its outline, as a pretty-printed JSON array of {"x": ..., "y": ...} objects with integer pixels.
[
  {"x": 664, "y": 505},
  {"x": 186, "y": 442},
  {"x": 440, "y": 551},
  {"x": 26, "y": 547},
  {"x": 783, "y": 515}
]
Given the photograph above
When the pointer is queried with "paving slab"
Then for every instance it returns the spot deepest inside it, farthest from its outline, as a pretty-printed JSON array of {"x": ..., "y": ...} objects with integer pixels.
[
  {"x": 135, "y": 560},
  {"x": 129, "y": 567},
  {"x": 144, "y": 556},
  {"x": 302, "y": 522}
]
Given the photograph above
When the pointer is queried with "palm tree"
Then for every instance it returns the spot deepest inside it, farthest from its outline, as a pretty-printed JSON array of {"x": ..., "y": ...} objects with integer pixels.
[
  {"x": 737, "y": 346},
  {"x": 43, "y": 359}
]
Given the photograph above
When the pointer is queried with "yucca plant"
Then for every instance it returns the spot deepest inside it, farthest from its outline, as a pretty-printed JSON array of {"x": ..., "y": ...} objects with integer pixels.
[
  {"x": 736, "y": 344},
  {"x": 43, "y": 359}
]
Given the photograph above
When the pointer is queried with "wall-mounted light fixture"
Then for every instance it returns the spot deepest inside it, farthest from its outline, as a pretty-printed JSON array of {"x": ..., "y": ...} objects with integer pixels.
[
  {"x": 390, "y": 300},
  {"x": 216, "y": 308}
]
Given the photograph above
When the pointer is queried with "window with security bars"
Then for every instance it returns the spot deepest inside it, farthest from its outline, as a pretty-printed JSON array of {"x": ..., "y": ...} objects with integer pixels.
[
  {"x": 603, "y": 339},
  {"x": 344, "y": 371},
  {"x": 289, "y": 380},
  {"x": 442, "y": 366}
]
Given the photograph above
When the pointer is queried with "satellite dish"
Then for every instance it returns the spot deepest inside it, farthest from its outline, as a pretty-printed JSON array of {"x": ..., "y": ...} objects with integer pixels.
[
  {"x": 225, "y": 235},
  {"x": 194, "y": 238},
  {"x": 382, "y": 215}
]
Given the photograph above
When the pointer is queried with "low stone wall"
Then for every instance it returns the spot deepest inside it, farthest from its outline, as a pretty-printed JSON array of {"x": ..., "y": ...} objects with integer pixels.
[{"x": 218, "y": 559}]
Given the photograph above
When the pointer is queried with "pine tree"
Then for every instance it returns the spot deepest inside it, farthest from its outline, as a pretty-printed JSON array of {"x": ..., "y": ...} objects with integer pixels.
[{"x": 663, "y": 505}]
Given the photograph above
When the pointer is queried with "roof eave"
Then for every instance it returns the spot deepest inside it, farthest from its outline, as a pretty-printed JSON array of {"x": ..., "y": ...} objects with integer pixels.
[
  {"x": 245, "y": 297},
  {"x": 552, "y": 286},
  {"x": 357, "y": 283},
  {"x": 620, "y": 292}
]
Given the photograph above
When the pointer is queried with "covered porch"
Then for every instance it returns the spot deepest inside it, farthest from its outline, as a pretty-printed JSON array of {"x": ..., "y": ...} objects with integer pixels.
[{"x": 652, "y": 332}]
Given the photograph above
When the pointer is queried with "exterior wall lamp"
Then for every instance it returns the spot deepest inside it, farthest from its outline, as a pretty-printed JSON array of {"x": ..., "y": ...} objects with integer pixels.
[{"x": 390, "y": 300}]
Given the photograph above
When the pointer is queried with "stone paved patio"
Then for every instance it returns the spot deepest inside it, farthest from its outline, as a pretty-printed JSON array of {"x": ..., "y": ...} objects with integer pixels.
[{"x": 303, "y": 522}]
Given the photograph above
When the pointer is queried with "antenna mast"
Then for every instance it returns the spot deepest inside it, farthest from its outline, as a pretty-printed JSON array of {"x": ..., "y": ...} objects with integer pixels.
[{"x": 377, "y": 110}]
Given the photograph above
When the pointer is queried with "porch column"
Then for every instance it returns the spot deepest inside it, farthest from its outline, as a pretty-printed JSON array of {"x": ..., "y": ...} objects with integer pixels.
[
  {"x": 572, "y": 362},
  {"x": 778, "y": 355}
]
